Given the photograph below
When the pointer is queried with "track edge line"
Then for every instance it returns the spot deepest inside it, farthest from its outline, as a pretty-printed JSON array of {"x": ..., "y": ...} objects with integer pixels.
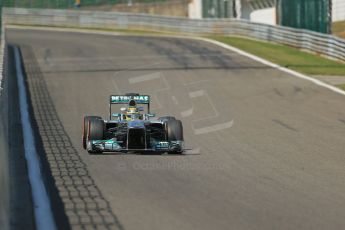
[{"x": 42, "y": 208}]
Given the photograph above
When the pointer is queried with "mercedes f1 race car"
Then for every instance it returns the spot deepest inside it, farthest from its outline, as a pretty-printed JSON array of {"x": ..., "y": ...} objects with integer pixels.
[{"x": 132, "y": 130}]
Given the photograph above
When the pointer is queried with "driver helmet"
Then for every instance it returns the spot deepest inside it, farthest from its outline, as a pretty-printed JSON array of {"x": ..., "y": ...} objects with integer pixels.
[{"x": 132, "y": 111}]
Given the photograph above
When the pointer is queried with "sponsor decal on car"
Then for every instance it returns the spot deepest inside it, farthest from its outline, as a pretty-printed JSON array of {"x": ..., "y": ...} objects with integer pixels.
[{"x": 121, "y": 99}]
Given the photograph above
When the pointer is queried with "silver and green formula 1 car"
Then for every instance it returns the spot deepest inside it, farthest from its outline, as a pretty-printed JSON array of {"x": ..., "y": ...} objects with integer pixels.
[{"x": 132, "y": 130}]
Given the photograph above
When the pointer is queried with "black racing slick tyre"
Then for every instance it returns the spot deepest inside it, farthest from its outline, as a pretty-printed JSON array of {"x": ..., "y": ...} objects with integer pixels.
[
  {"x": 85, "y": 127},
  {"x": 95, "y": 131},
  {"x": 174, "y": 132}
]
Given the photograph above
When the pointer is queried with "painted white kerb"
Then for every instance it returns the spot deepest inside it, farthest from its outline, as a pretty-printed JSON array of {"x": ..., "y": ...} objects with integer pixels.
[{"x": 42, "y": 209}]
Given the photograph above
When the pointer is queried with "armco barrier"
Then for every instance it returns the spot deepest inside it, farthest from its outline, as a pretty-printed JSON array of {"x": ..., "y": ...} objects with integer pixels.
[
  {"x": 323, "y": 44},
  {"x": 2, "y": 55},
  {"x": 4, "y": 181}
]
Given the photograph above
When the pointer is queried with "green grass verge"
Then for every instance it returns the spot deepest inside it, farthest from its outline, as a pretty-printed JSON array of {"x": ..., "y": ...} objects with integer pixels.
[
  {"x": 342, "y": 86},
  {"x": 338, "y": 29},
  {"x": 286, "y": 56}
]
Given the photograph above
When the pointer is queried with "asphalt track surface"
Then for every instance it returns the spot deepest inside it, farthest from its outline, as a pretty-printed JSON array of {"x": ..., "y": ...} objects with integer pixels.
[{"x": 268, "y": 148}]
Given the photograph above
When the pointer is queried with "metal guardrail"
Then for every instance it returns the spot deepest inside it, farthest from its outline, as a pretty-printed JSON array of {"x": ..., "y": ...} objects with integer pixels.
[
  {"x": 2, "y": 55},
  {"x": 322, "y": 44},
  {"x": 4, "y": 184},
  {"x": 69, "y": 4}
]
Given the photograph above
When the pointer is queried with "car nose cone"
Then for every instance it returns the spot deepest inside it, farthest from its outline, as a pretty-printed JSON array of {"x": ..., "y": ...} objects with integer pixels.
[{"x": 136, "y": 125}]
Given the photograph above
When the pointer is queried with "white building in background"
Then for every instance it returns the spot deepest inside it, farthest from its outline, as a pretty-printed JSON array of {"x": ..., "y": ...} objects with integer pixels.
[
  {"x": 262, "y": 11},
  {"x": 255, "y": 10},
  {"x": 338, "y": 10},
  {"x": 195, "y": 9}
]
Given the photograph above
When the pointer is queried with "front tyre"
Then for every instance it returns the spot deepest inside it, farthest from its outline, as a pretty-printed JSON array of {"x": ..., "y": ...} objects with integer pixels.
[
  {"x": 174, "y": 133},
  {"x": 95, "y": 131},
  {"x": 85, "y": 128}
]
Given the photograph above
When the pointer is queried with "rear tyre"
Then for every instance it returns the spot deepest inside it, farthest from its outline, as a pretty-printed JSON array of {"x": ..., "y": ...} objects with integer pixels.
[
  {"x": 174, "y": 132},
  {"x": 85, "y": 127}
]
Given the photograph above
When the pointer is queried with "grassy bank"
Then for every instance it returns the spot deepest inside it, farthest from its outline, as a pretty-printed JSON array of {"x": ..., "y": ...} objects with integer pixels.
[
  {"x": 286, "y": 56},
  {"x": 342, "y": 86}
]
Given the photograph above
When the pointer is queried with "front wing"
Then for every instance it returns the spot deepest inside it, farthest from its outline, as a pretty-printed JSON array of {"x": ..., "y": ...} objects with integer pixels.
[{"x": 115, "y": 146}]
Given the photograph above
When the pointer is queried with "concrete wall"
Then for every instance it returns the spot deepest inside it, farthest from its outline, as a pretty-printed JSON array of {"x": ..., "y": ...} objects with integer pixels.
[
  {"x": 338, "y": 9},
  {"x": 195, "y": 9},
  {"x": 264, "y": 15},
  {"x": 267, "y": 16},
  {"x": 4, "y": 183}
]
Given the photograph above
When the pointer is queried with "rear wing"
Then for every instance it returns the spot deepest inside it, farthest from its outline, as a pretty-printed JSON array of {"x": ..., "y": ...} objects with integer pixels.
[{"x": 124, "y": 99}]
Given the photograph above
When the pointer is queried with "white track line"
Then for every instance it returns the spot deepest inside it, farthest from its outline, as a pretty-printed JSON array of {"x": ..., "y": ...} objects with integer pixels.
[
  {"x": 143, "y": 78},
  {"x": 195, "y": 94},
  {"x": 42, "y": 209},
  {"x": 214, "y": 128},
  {"x": 187, "y": 113},
  {"x": 275, "y": 66}
]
